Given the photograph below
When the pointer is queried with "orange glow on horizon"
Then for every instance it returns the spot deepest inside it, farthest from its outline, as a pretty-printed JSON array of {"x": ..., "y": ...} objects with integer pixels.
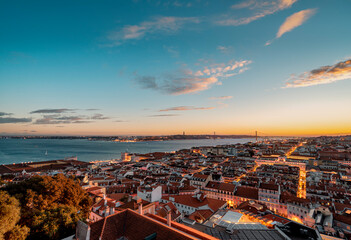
[{"x": 173, "y": 127}]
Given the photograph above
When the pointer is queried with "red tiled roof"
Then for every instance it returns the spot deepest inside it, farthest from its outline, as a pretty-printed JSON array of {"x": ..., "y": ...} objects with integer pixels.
[
  {"x": 288, "y": 197},
  {"x": 200, "y": 176},
  {"x": 276, "y": 218},
  {"x": 246, "y": 192},
  {"x": 116, "y": 196},
  {"x": 164, "y": 208},
  {"x": 189, "y": 200},
  {"x": 93, "y": 189},
  {"x": 132, "y": 226},
  {"x": 343, "y": 218},
  {"x": 228, "y": 187},
  {"x": 252, "y": 207},
  {"x": 268, "y": 186},
  {"x": 341, "y": 206},
  {"x": 187, "y": 188},
  {"x": 202, "y": 215},
  {"x": 186, "y": 229}
]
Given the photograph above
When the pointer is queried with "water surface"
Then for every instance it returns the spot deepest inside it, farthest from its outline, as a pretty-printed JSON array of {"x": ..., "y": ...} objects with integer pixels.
[{"x": 26, "y": 150}]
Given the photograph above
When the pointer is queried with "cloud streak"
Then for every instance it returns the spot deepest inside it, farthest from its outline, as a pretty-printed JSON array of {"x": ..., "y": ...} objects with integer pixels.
[
  {"x": 292, "y": 22},
  {"x": 5, "y": 114},
  {"x": 187, "y": 81},
  {"x": 166, "y": 25},
  {"x": 53, "y": 110},
  {"x": 258, "y": 9},
  {"x": 14, "y": 120},
  {"x": 54, "y": 119},
  {"x": 224, "y": 49},
  {"x": 99, "y": 116},
  {"x": 295, "y": 20},
  {"x": 185, "y": 108},
  {"x": 60, "y": 117},
  {"x": 221, "y": 98},
  {"x": 164, "y": 115},
  {"x": 323, "y": 75}
]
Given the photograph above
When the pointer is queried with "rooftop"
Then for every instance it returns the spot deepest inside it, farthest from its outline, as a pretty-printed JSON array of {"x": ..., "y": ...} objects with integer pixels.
[{"x": 132, "y": 226}]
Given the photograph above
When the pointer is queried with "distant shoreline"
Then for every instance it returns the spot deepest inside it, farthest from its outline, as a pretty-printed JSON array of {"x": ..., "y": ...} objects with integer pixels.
[
  {"x": 134, "y": 138},
  {"x": 32, "y": 150}
]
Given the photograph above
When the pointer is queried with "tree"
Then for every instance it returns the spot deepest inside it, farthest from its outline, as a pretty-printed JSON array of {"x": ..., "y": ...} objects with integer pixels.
[
  {"x": 17, "y": 233},
  {"x": 51, "y": 206},
  {"x": 9, "y": 216}
]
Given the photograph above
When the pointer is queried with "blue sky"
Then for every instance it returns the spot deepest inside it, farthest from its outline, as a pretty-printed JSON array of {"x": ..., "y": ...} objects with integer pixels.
[{"x": 162, "y": 67}]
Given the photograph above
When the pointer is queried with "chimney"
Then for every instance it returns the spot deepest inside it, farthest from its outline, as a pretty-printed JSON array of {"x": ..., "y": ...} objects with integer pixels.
[
  {"x": 105, "y": 200},
  {"x": 169, "y": 218},
  {"x": 140, "y": 209},
  {"x": 112, "y": 210}
]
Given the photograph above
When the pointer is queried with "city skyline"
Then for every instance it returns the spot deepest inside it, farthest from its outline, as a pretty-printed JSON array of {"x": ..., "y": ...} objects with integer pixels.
[{"x": 281, "y": 67}]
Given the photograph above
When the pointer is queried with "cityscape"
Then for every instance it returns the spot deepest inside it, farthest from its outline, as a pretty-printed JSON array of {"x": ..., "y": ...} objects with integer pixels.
[
  {"x": 267, "y": 189},
  {"x": 174, "y": 119}
]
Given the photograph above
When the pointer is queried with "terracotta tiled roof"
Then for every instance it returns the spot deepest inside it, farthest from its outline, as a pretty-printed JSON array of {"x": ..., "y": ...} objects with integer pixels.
[
  {"x": 187, "y": 188},
  {"x": 132, "y": 226},
  {"x": 200, "y": 176},
  {"x": 288, "y": 197},
  {"x": 341, "y": 206},
  {"x": 189, "y": 200},
  {"x": 165, "y": 208},
  {"x": 276, "y": 218},
  {"x": 93, "y": 189},
  {"x": 246, "y": 192},
  {"x": 252, "y": 207},
  {"x": 186, "y": 229},
  {"x": 228, "y": 187},
  {"x": 116, "y": 196},
  {"x": 133, "y": 205},
  {"x": 202, "y": 215},
  {"x": 343, "y": 218},
  {"x": 268, "y": 186}
]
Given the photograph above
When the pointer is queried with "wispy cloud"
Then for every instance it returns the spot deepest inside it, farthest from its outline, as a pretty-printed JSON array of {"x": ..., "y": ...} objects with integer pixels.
[
  {"x": 225, "y": 49},
  {"x": 185, "y": 108},
  {"x": 221, "y": 98},
  {"x": 60, "y": 117},
  {"x": 53, "y": 119},
  {"x": 186, "y": 81},
  {"x": 99, "y": 116},
  {"x": 323, "y": 75},
  {"x": 5, "y": 114},
  {"x": 219, "y": 101},
  {"x": 293, "y": 21},
  {"x": 166, "y": 25},
  {"x": 181, "y": 4},
  {"x": 164, "y": 115},
  {"x": 53, "y": 110},
  {"x": 258, "y": 9},
  {"x": 171, "y": 50},
  {"x": 222, "y": 104},
  {"x": 14, "y": 120}
]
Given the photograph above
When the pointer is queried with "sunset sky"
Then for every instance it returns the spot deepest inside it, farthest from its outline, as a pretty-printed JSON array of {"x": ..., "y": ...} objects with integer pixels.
[{"x": 281, "y": 67}]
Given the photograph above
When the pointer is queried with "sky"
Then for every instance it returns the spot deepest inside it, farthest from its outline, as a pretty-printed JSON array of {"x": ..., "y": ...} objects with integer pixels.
[{"x": 281, "y": 67}]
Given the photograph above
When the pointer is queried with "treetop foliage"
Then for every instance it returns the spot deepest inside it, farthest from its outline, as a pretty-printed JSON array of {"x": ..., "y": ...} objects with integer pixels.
[{"x": 50, "y": 206}]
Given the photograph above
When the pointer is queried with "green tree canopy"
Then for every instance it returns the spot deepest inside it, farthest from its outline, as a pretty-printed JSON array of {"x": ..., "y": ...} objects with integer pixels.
[{"x": 51, "y": 206}]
